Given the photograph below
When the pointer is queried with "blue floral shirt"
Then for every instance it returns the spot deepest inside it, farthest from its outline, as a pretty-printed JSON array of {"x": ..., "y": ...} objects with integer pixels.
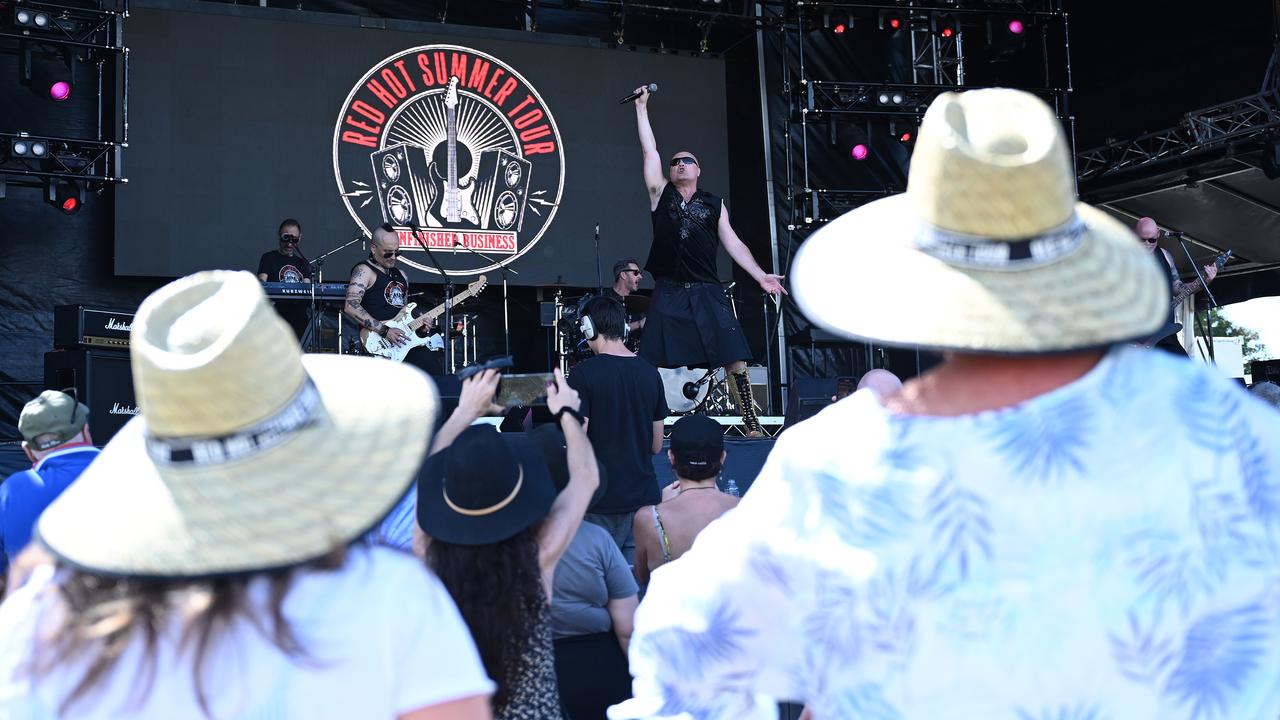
[{"x": 1106, "y": 551}]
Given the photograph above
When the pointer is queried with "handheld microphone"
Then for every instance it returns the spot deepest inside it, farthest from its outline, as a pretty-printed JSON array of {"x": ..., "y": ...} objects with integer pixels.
[{"x": 653, "y": 88}]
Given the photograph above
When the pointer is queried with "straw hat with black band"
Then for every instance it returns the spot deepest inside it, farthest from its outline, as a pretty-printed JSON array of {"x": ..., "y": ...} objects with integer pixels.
[
  {"x": 247, "y": 455},
  {"x": 988, "y": 250}
]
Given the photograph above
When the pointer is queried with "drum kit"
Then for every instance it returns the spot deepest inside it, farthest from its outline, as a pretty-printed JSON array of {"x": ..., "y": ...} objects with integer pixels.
[{"x": 688, "y": 390}]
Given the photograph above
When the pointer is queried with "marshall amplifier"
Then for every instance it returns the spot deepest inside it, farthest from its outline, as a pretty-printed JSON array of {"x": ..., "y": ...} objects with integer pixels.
[
  {"x": 404, "y": 184},
  {"x": 77, "y": 326},
  {"x": 103, "y": 381}
]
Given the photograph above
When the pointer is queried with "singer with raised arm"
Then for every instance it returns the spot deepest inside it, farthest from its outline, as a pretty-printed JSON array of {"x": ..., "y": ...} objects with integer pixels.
[
  {"x": 1150, "y": 234},
  {"x": 690, "y": 321},
  {"x": 378, "y": 289}
]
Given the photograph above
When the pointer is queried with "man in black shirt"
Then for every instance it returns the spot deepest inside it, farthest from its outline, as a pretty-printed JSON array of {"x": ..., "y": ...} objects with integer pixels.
[
  {"x": 286, "y": 264},
  {"x": 378, "y": 289},
  {"x": 626, "y": 281},
  {"x": 624, "y": 404},
  {"x": 690, "y": 321}
]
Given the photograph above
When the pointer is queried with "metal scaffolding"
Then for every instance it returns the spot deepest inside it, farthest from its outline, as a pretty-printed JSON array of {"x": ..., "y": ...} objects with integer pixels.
[{"x": 1215, "y": 127}]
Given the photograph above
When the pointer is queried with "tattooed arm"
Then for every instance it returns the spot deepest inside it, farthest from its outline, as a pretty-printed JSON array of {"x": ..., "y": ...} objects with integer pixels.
[{"x": 361, "y": 278}]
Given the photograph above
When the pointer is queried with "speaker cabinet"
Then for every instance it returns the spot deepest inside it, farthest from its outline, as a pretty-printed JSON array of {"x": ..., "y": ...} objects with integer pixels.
[
  {"x": 502, "y": 190},
  {"x": 103, "y": 381},
  {"x": 404, "y": 186}
]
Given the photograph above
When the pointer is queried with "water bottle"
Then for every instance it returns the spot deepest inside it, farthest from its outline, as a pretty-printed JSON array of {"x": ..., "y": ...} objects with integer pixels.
[{"x": 731, "y": 487}]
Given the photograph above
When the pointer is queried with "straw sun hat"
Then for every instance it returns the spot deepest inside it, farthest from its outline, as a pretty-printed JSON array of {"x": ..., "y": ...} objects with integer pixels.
[
  {"x": 988, "y": 250},
  {"x": 247, "y": 455}
]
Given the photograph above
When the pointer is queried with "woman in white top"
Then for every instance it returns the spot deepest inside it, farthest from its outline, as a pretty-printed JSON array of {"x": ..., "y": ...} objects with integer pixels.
[{"x": 203, "y": 565}]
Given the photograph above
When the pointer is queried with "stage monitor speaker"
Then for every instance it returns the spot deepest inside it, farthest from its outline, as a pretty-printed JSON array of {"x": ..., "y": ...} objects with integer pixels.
[
  {"x": 103, "y": 381},
  {"x": 404, "y": 184},
  {"x": 810, "y": 395}
]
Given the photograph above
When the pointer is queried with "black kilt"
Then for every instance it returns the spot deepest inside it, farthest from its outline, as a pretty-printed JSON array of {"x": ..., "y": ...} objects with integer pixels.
[{"x": 691, "y": 324}]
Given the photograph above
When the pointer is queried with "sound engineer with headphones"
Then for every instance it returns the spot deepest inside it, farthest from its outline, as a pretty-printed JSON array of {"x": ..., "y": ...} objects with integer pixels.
[{"x": 623, "y": 401}]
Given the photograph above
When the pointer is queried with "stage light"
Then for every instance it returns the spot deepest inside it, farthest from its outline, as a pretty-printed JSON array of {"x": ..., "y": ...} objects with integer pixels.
[
  {"x": 1015, "y": 27},
  {"x": 20, "y": 148},
  {"x": 860, "y": 152},
  {"x": 906, "y": 137},
  {"x": 31, "y": 18},
  {"x": 60, "y": 91},
  {"x": 838, "y": 21},
  {"x": 944, "y": 25},
  {"x": 39, "y": 149},
  {"x": 66, "y": 195},
  {"x": 890, "y": 98},
  {"x": 892, "y": 20}
]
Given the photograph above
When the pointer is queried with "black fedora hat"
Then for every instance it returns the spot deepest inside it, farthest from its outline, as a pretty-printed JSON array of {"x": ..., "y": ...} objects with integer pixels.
[{"x": 484, "y": 488}]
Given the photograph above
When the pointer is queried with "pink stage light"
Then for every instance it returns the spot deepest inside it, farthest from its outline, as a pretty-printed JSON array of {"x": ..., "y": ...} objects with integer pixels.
[
  {"x": 60, "y": 91},
  {"x": 860, "y": 152},
  {"x": 1016, "y": 27}
]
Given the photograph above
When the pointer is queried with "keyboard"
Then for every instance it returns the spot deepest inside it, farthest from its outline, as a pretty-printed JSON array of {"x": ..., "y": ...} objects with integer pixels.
[{"x": 302, "y": 291}]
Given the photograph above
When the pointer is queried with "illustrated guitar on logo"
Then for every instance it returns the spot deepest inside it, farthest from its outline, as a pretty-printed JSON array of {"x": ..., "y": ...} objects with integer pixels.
[
  {"x": 453, "y": 202},
  {"x": 405, "y": 322}
]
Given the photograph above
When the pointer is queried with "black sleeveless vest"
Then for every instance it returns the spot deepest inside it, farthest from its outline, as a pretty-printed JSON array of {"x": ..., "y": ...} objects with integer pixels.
[{"x": 388, "y": 293}]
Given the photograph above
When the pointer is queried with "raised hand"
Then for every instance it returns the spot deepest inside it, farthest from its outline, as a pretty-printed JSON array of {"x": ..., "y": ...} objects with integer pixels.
[
  {"x": 560, "y": 395},
  {"x": 476, "y": 396},
  {"x": 643, "y": 100}
]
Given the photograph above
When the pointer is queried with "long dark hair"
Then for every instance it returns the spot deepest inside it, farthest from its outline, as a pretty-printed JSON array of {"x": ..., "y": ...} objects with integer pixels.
[
  {"x": 104, "y": 615},
  {"x": 498, "y": 589}
]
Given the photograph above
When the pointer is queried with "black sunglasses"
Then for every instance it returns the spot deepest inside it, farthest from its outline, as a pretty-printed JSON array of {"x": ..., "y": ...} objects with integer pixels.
[
  {"x": 290, "y": 239},
  {"x": 685, "y": 160},
  {"x": 387, "y": 255},
  {"x": 637, "y": 273}
]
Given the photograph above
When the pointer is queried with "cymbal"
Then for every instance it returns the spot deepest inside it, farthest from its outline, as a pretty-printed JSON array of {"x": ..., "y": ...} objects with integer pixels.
[{"x": 636, "y": 303}]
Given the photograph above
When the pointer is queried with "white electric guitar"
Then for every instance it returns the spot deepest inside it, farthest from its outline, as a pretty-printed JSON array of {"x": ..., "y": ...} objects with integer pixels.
[{"x": 406, "y": 323}]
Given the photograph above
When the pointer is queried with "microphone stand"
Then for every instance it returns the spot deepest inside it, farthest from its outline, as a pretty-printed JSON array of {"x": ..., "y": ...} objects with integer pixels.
[
  {"x": 1204, "y": 285},
  {"x": 448, "y": 295},
  {"x": 318, "y": 264},
  {"x": 502, "y": 269},
  {"x": 599, "y": 282}
]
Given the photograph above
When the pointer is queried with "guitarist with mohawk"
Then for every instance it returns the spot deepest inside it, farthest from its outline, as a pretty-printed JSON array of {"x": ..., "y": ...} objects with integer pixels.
[{"x": 378, "y": 289}]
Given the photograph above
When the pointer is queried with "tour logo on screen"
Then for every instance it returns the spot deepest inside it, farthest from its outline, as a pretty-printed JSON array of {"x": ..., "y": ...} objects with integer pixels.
[{"x": 456, "y": 144}]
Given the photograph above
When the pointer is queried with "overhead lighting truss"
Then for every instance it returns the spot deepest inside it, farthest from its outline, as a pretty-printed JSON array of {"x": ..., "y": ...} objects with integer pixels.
[
  {"x": 1213, "y": 127},
  {"x": 818, "y": 206},
  {"x": 54, "y": 24},
  {"x": 30, "y": 159},
  {"x": 832, "y": 99}
]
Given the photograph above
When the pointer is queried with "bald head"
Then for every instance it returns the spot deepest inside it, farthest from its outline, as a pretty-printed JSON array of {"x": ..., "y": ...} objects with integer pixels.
[
  {"x": 882, "y": 382},
  {"x": 1147, "y": 229}
]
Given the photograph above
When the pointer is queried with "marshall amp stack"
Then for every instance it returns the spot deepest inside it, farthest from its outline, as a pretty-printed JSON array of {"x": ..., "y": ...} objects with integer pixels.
[{"x": 92, "y": 355}]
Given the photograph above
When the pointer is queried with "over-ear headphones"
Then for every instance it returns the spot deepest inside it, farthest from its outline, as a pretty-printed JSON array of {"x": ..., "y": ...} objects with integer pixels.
[{"x": 588, "y": 328}]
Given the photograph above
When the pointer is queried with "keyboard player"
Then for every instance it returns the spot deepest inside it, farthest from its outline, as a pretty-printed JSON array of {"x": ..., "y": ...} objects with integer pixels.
[{"x": 287, "y": 264}]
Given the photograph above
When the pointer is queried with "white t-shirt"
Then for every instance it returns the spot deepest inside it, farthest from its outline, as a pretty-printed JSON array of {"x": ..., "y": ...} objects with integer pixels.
[{"x": 382, "y": 638}]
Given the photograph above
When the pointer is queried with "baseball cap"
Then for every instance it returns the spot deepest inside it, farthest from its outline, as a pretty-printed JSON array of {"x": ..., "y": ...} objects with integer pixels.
[
  {"x": 52, "y": 413},
  {"x": 697, "y": 440}
]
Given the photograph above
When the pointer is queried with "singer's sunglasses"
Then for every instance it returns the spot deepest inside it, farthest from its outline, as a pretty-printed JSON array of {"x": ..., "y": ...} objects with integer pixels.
[
  {"x": 388, "y": 254},
  {"x": 637, "y": 273},
  {"x": 685, "y": 160},
  {"x": 290, "y": 239}
]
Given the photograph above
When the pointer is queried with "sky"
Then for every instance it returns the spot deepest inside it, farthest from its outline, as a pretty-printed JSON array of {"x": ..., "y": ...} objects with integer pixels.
[{"x": 1260, "y": 314}]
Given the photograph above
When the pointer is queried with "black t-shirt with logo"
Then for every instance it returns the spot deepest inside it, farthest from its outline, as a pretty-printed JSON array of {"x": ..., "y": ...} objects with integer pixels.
[
  {"x": 623, "y": 397},
  {"x": 388, "y": 293},
  {"x": 284, "y": 268}
]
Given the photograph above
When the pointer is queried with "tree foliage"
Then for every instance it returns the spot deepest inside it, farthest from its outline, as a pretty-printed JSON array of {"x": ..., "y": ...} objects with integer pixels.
[{"x": 1220, "y": 326}]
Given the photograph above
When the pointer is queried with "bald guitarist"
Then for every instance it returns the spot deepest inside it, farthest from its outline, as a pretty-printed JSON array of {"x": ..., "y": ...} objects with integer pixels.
[{"x": 378, "y": 289}]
